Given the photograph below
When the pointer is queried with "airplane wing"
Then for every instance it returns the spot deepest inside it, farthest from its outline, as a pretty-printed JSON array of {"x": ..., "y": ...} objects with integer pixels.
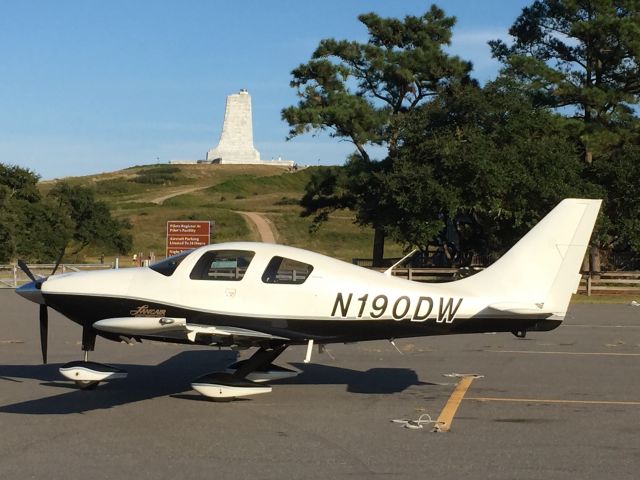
[
  {"x": 194, "y": 329},
  {"x": 177, "y": 328}
]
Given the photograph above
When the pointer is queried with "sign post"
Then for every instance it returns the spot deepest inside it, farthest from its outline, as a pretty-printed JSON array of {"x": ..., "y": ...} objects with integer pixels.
[{"x": 187, "y": 234}]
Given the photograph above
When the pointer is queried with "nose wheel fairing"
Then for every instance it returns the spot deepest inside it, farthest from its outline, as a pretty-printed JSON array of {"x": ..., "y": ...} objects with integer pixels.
[{"x": 88, "y": 374}]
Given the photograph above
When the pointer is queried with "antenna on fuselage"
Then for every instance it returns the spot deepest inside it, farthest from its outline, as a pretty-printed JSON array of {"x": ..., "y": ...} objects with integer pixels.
[{"x": 388, "y": 271}]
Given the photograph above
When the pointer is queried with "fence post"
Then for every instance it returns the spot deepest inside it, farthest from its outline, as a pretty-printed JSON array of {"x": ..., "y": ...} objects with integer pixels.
[
  {"x": 589, "y": 284},
  {"x": 116, "y": 263},
  {"x": 63, "y": 268},
  {"x": 15, "y": 276},
  {"x": 410, "y": 273}
]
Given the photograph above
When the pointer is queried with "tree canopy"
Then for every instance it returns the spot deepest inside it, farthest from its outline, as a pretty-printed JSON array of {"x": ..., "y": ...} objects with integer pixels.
[
  {"x": 38, "y": 228},
  {"x": 489, "y": 161},
  {"x": 30, "y": 227},
  {"x": 580, "y": 54},
  {"x": 582, "y": 58},
  {"x": 359, "y": 92},
  {"x": 486, "y": 162},
  {"x": 91, "y": 219}
]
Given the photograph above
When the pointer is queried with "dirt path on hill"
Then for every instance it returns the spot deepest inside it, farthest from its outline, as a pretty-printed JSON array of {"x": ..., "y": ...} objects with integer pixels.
[
  {"x": 266, "y": 229},
  {"x": 184, "y": 191}
]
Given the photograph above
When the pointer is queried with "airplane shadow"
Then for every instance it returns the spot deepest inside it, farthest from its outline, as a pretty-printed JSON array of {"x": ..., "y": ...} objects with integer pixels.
[
  {"x": 372, "y": 381},
  {"x": 142, "y": 383},
  {"x": 173, "y": 378}
]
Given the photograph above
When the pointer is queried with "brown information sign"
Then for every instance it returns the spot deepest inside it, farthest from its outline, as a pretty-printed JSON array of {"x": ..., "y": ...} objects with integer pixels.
[{"x": 186, "y": 234}]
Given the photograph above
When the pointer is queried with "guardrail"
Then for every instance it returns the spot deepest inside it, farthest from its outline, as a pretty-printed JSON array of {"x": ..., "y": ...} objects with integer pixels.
[{"x": 11, "y": 276}]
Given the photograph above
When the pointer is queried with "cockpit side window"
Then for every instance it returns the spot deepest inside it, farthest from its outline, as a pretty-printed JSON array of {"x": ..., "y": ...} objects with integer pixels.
[
  {"x": 286, "y": 271},
  {"x": 167, "y": 266},
  {"x": 229, "y": 265}
]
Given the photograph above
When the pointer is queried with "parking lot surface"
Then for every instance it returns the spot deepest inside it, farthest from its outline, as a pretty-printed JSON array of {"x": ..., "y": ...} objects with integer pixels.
[{"x": 555, "y": 405}]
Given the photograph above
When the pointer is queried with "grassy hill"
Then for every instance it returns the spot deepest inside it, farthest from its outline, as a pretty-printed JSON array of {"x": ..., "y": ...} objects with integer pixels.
[{"x": 150, "y": 195}]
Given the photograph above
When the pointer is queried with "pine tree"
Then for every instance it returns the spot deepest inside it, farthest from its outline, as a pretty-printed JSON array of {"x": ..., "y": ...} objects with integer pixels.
[{"x": 360, "y": 92}]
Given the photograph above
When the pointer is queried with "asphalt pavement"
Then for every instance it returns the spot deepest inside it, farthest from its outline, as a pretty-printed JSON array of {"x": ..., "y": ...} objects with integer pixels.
[{"x": 555, "y": 405}]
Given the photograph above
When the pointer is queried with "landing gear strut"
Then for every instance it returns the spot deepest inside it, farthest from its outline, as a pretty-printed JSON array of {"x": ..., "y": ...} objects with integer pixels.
[
  {"x": 246, "y": 377},
  {"x": 85, "y": 374}
]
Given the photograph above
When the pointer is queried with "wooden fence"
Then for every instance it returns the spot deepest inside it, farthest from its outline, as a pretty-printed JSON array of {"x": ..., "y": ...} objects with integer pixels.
[
  {"x": 603, "y": 283},
  {"x": 610, "y": 283}
]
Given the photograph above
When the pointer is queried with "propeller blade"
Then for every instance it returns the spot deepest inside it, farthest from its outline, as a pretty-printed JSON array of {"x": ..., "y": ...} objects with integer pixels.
[
  {"x": 58, "y": 262},
  {"x": 44, "y": 331},
  {"x": 23, "y": 266}
]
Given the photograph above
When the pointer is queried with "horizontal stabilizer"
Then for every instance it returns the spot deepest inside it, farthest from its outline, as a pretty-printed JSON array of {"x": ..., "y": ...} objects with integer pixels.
[{"x": 520, "y": 308}]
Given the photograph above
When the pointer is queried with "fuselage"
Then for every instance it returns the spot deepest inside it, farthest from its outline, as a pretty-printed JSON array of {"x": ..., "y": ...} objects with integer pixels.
[{"x": 284, "y": 291}]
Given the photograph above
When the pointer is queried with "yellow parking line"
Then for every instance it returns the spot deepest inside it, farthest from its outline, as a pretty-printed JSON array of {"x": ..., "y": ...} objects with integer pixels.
[
  {"x": 613, "y": 354},
  {"x": 443, "y": 424},
  {"x": 541, "y": 400}
]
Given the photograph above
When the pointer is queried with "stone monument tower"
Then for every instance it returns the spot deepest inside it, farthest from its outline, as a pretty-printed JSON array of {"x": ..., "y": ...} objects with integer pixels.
[{"x": 236, "y": 140}]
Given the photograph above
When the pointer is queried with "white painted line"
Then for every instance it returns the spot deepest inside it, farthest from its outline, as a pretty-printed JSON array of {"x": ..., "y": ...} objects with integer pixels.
[
  {"x": 560, "y": 401},
  {"x": 601, "y": 326},
  {"x": 604, "y": 354}
]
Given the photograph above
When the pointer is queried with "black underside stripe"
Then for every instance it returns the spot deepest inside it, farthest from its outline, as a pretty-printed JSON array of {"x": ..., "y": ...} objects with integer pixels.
[{"x": 86, "y": 310}]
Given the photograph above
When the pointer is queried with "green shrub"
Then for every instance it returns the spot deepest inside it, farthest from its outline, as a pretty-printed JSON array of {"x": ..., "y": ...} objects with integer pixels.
[
  {"x": 158, "y": 175},
  {"x": 154, "y": 179},
  {"x": 114, "y": 186},
  {"x": 287, "y": 201},
  {"x": 161, "y": 169}
]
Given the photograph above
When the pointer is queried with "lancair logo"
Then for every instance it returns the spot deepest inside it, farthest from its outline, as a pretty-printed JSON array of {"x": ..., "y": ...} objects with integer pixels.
[{"x": 145, "y": 311}]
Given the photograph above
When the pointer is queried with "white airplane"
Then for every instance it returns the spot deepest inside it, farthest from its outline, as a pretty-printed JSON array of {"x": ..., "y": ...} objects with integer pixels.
[{"x": 244, "y": 294}]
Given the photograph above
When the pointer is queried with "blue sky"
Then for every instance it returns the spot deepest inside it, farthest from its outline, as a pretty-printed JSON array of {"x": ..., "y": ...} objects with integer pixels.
[{"x": 91, "y": 86}]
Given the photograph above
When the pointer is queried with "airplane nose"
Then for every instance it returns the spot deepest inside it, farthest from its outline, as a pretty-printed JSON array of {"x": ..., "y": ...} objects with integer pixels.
[{"x": 31, "y": 291}]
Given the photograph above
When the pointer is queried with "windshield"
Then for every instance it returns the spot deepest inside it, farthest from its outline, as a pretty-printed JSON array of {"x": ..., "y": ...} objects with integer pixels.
[{"x": 167, "y": 266}]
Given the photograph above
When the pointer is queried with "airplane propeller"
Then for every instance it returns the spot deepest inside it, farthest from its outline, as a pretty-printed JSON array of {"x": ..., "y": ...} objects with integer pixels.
[
  {"x": 44, "y": 331},
  {"x": 23, "y": 266},
  {"x": 44, "y": 312}
]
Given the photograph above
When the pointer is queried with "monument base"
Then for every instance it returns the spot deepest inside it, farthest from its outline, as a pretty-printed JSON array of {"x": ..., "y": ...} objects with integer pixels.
[{"x": 278, "y": 163}]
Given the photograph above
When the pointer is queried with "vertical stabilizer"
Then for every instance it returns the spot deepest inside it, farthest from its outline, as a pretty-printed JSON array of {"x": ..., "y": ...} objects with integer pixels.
[{"x": 543, "y": 268}]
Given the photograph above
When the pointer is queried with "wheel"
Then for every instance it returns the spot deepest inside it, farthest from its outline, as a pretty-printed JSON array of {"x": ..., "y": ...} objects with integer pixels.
[
  {"x": 86, "y": 384},
  {"x": 221, "y": 400}
]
